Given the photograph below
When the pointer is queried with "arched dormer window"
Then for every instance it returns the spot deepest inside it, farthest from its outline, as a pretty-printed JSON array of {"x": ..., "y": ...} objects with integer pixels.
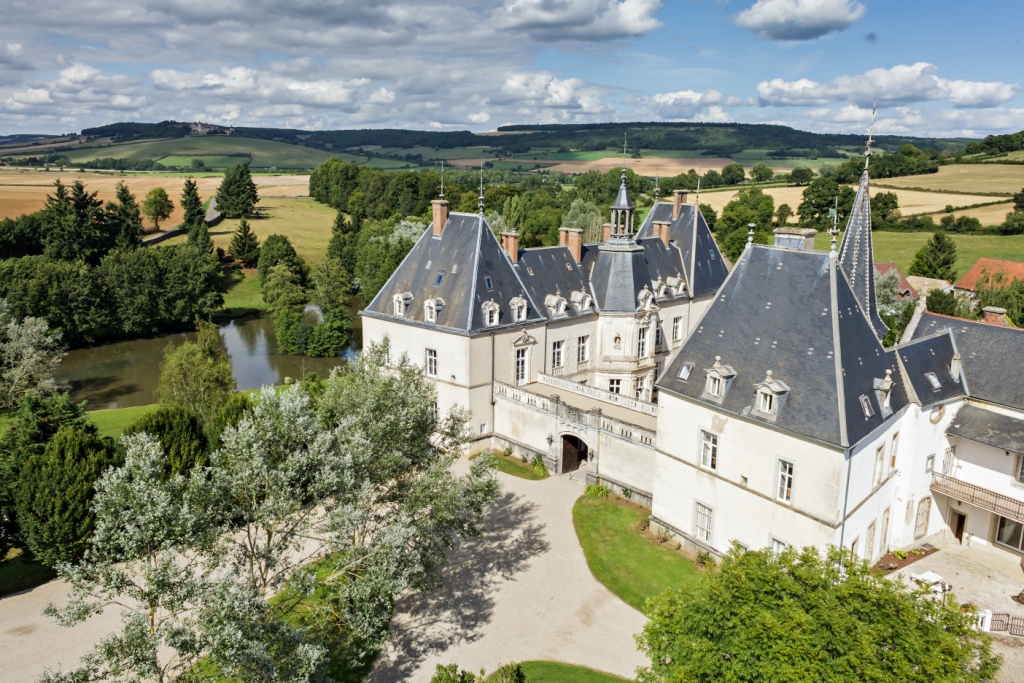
[
  {"x": 431, "y": 307},
  {"x": 645, "y": 297},
  {"x": 556, "y": 304},
  {"x": 581, "y": 301},
  {"x": 401, "y": 302},
  {"x": 770, "y": 397},
  {"x": 677, "y": 285},
  {"x": 492, "y": 313},
  {"x": 660, "y": 288},
  {"x": 883, "y": 393},
  {"x": 718, "y": 379},
  {"x": 518, "y": 306}
]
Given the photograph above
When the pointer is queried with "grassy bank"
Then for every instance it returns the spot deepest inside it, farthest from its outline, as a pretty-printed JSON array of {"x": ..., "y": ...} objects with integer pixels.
[
  {"x": 510, "y": 464},
  {"x": 622, "y": 557},
  {"x": 112, "y": 422},
  {"x": 244, "y": 296},
  {"x": 556, "y": 672}
]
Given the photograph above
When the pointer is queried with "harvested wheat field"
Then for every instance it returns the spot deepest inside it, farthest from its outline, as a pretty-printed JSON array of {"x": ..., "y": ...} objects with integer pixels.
[
  {"x": 980, "y": 178},
  {"x": 25, "y": 192},
  {"x": 988, "y": 215},
  {"x": 648, "y": 166}
]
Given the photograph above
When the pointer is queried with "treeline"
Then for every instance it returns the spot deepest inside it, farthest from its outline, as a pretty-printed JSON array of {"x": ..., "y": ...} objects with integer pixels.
[
  {"x": 384, "y": 137},
  {"x": 80, "y": 265},
  {"x": 997, "y": 144},
  {"x": 122, "y": 132},
  {"x": 908, "y": 160}
]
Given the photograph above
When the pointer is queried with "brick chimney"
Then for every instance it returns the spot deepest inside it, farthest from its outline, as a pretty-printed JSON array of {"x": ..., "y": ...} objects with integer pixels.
[
  {"x": 663, "y": 230},
  {"x": 440, "y": 215},
  {"x": 678, "y": 199},
  {"x": 574, "y": 240},
  {"x": 995, "y": 316},
  {"x": 510, "y": 241},
  {"x": 607, "y": 232},
  {"x": 563, "y": 236}
]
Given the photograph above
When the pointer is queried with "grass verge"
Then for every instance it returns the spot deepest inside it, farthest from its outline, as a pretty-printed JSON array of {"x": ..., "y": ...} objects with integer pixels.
[
  {"x": 510, "y": 464},
  {"x": 20, "y": 571},
  {"x": 622, "y": 557},
  {"x": 557, "y": 672}
]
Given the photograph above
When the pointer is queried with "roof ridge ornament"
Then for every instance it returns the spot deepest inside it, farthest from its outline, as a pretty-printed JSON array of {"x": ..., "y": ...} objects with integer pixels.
[
  {"x": 480, "y": 203},
  {"x": 871, "y": 130},
  {"x": 442, "y": 178}
]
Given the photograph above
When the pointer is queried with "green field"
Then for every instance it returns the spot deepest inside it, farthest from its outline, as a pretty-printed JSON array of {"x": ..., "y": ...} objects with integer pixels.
[
  {"x": 899, "y": 247},
  {"x": 112, "y": 422},
  {"x": 224, "y": 150},
  {"x": 515, "y": 466},
  {"x": 556, "y": 672},
  {"x": 620, "y": 556},
  {"x": 244, "y": 296}
]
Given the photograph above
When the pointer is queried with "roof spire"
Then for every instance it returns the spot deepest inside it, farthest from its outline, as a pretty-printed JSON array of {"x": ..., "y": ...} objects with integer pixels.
[
  {"x": 442, "y": 178},
  {"x": 480, "y": 202},
  {"x": 657, "y": 184},
  {"x": 871, "y": 130}
]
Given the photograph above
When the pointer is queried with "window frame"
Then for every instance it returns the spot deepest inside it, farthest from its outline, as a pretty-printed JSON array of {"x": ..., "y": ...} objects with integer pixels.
[
  {"x": 929, "y": 463},
  {"x": 786, "y": 471},
  {"x": 715, "y": 386},
  {"x": 641, "y": 342},
  {"x": 685, "y": 371},
  {"x": 658, "y": 341},
  {"x": 615, "y": 386},
  {"x": 777, "y": 545},
  {"x": 703, "y": 514},
  {"x": 558, "y": 354},
  {"x": 1020, "y": 470},
  {"x": 430, "y": 362},
  {"x": 430, "y": 311},
  {"x": 879, "y": 464},
  {"x": 583, "y": 348},
  {"x": 677, "y": 328},
  {"x": 521, "y": 368},
  {"x": 766, "y": 402},
  {"x": 709, "y": 450},
  {"x": 893, "y": 451}
]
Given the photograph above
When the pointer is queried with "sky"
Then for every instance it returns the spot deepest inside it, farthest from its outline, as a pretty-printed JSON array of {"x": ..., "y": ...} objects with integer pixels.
[{"x": 934, "y": 67}]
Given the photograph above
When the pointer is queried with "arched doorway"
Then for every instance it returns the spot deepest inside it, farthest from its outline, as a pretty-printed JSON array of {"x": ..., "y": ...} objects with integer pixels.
[{"x": 574, "y": 452}]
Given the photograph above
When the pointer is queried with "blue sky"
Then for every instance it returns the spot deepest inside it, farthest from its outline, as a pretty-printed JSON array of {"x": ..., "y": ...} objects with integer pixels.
[{"x": 935, "y": 68}]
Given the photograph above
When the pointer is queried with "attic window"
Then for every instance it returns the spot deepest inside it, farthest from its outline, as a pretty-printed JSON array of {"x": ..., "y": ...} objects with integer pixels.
[
  {"x": 684, "y": 371},
  {"x": 933, "y": 380},
  {"x": 715, "y": 386},
  {"x": 568, "y": 266},
  {"x": 489, "y": 283},
  {"x": 491, "y": 313},
  {"x": 529, "y": 270},
  {"x": 718, "y": 378},
  {"x": 767, "y": 402},
  {"x": 866, "y": 407},
  {"x": 437, "y": 278},
  {"x": 430, "y": 308},
  {"x": 771, "y": 395},
  {"x": 401, "y": 301},
  {"x": 518, "y": 305}
]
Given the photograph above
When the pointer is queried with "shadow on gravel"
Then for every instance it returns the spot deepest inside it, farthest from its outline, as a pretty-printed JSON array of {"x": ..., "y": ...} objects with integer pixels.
[{"x": 434, "y": 621}]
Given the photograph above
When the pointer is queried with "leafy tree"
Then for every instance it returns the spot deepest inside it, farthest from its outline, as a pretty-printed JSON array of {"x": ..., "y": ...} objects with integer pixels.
[
  {"x": 507, "y": 673},
  {"x": 237, "y": 195},
  {"x": 585, "y": 216},
  {"x": 180, "y": 434},
  {"x": 278, "y": 249},
  {"x": 196, "y": 375},
  {"x": 936, "y": 258},
  {"x": 192, "y": 205},
  {"x": 228, "y": 415},
  {"x": 125, "y": 219},
  {"x": 1014, "y": 224},
  {"x": 330, "y": 286},
  {"x": 331, "y": 336},
  {"x": 245, "y": 247},
  {"x": 801, "y": 175},
  {"x": 818, "y": 199},
  {"x": 733, "y": 174},
  {"x": 57, "y": 528},
  {"x": 286, "y": 300},
  {"x": 761, "y": 172},
  {"x": 783, "y": 214},
  {"x": 157, "y": 206},
  {"x": 710, "y": 216},
  {"x": 198, "y": 165},
  {"x": 805, "y": 616},
  {"x": 29, "y": 355},
  {"x": 994, "y": 290},
  {"x": 750, "y": 205},
  {"x": 1018, "y": 201}
]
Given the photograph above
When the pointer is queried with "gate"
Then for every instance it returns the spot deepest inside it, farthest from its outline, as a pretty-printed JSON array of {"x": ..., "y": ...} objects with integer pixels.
[
  {"x": 1016, "y": 626},
  {"x": 1000, "y": 622}
]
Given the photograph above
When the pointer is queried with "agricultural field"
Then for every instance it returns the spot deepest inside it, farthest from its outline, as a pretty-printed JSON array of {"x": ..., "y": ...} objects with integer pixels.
[
  {"x": 305, "y": 222},
  {"x": 990, "y": 179},
  {"x": 215, "y": 150},
  {"x": 648, "y": 166},
  {"x": 26, "y": 191}
]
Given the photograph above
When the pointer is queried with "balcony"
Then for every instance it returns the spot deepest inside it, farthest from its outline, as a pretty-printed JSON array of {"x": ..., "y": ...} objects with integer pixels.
[{"x": 958, "y": 489}]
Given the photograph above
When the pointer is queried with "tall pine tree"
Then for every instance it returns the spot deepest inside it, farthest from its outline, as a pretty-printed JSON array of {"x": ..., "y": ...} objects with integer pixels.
[
  {"x": 199, "y": 237},
  {"x": 245, "y": 247},
  {"x": 192, "y": 206},
  {"x": 344, "y": 241},
  {"x": 124, "y": 219},
  {"x": 936, "y": 258},
  {"x": 237, "y": 196}
]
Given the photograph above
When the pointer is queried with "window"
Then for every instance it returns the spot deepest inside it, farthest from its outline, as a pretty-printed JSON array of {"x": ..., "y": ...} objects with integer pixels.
[
  {"x": 778, "y": 546},
  {"x": 521, "y": 366},
  {"x": 557, "y": 357},
  {"x": 853, "y": 547},
  {"x": 929, "y": 464},
  {"x": 684, "y": 371},
  {"x": 879, "y": 463},
  {"x": 933, "y": 380},
  {"x": 399, "y": 306},
  {"x": 869, "y": 542},
  {"x": 657, "y": 336},
  {"x": 639, "y": 385},
  {"x": 641, "y": 343},
  {"x": 615, "y": 386},
  {"x": 785, "y": 481},
  {"x": 1009, "y": 533},
  {"x": 583, "y": 349},
  {"x": 492, "y": 316},
  {"x": 715, "y": 386},
  {"x": 702, "y": 523},
  {"x": 883, "y": 542},
  {"x": 892, "y": 452},
  {"x": 923, "y": 509},
  {"x": 1020, "y": 469},
  {"x": 767, "y": 403},
  {"x": 483, "y": 428},
  {"x": 708, "y": 450},
  {"x": 431, "y": 362},
  {"x": 677, "y": 328},
  {"x": 489, "y": 282},
  {"x": 430, "y": 311},
  {"x": 866, "y": 407}
]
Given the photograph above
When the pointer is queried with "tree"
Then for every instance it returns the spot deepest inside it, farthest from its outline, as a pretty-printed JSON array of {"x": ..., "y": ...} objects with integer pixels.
[
  {"x": 278, "y": 249},
  {"x": 29, "y": 355},
  {"x": 157, "y": 206},
  {"x": 783, "y": 214},
  {"x": 1014, "y": 224},
  {"x": 1018, "y": 201},
  {"x": 585, "y": 216},
  {"x": 196, "y": 375},
  {"x": 750, "y": 205},
  {"x": 330, "y": 286},
  {"x": 75, "y": 225},
  {"x": 801, "y": 175},
  {"x": 805, "y": 616},
  {"x": 237, "y": 195},
  {"x": 125, "y": 219},
  {"x": 710, "y": 216},
  {"x": 198, "y": 165},
  {"x": 192, "y": 205},
  {"x": 761, "y": 172},
  {"x": 818, "y": 199},
  {"x": 344, "y": 241},
  {"x": 936, "y": 258},
  {"x": 245, "y": 247},
  {"x": 180, "y": 434},
  {"x": 733, "y": 174},
  {"x": 57, "y": 528},
  {"x": 942, "y": 302},
  {"x": 199, "y": 238},
  {"x": 286, "y": 301}
]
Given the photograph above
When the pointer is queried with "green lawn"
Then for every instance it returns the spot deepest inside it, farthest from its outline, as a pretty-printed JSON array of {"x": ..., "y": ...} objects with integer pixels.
[
  {"x": 515, "y": 466},
  {"x": 556, "y": 672},
  {"x": 899, "y": 247},
  {"x": 244, "y": 296},
  {"x": 621, "y": 557},
  {"x": 20, "y": 572},
  {"x": 112, "y": 422}
]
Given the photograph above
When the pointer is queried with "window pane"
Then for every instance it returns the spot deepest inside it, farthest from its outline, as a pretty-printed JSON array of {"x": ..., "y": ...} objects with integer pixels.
[{"x": 1009, "y": 532}]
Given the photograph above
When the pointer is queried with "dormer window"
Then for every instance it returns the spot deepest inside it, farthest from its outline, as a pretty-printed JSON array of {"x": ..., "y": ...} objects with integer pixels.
[
  {"x": 556, "y": 304},
  {"x": 492, "y": 313},
  {"x": 715, "y": 386},
  {"x": 718, "y": 378},
  {"x": 645, "y": 297},
  {"x": 401, "y": 302},
  {"x": 659, "y": 288},
  {"x": 771, "y": 394},
  {"x": 767, "y": 403},
  {"x": 677, "y": 285},
  {"x": 518, "y": 306},
  {"x": 430, "y": 309},
  {"x": 581, "y": 301},
  {"x": 684, "y": 371},
  {"x": 883, "y": 392}
]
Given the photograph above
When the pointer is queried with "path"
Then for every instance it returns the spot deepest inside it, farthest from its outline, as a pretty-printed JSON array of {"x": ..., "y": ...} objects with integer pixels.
[{"x": 524, "y": 593}]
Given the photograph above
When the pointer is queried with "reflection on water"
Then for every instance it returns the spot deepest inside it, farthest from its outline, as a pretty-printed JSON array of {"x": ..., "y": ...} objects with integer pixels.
[{"x": 125, "y": 374}]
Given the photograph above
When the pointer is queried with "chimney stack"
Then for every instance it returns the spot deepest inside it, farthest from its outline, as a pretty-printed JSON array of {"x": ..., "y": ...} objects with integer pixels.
[
  {"x": 678, "y": 199},
  {"x": 510, "y": 240},
  {"x": 662, "y": 229},
  {"x": 563, "y": 236},
  {"x": 995, "y": 316},
  {"x": 440, "y": 215},
  {"x": 574, "y": 240},
  {"x": 795, "y": 238},
  {"x": 607, "y": 232}
]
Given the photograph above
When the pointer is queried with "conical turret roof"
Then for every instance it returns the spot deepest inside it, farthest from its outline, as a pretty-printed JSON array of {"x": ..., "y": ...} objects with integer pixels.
[{"x": 622, "y": 199}]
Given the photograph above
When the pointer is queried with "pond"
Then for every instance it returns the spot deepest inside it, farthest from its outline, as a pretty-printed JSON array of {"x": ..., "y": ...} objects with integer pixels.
[{"x": 124, "y": 374}]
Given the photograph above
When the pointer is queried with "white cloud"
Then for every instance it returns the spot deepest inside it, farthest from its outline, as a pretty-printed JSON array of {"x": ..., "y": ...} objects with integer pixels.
[
  {"x": 479, "y": 117},
  {"x": 556, "y": 20},
  {"x": 901, "y": 84},
  {"x": 543, "y": 89},
  {"x": 799, "y": 19}
]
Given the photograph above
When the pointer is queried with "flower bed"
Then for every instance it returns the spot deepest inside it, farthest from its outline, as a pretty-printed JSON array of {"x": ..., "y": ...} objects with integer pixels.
[{"x": 898, "y": 559}]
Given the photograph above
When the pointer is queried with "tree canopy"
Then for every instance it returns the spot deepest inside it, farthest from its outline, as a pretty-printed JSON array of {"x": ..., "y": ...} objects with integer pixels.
[
  {"x": 936, "y": 258},
  {"x": 237, "y": 194},
  {"x": 157, "y": 206}
]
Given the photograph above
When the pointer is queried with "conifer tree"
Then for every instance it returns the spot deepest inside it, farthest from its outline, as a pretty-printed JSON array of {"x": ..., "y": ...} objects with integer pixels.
[
  {"x": 192, "y": 205},
  {"x": 245, "y": 247},
  {"x": 936, "y": 258},
  {"x": 344, "y": 241},
  {"x": 124, "y": 218},
  {"x": 199, "y": 237},
  {"x": 181, "y": 437},
  {"x": 237, "y": 196}
]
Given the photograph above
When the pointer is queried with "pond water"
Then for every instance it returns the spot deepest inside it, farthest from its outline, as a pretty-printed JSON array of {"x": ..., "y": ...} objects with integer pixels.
[{"x": 124, "y": 374}]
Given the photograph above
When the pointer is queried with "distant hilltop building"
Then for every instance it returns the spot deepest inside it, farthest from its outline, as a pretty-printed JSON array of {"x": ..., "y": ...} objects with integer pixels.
[{"x": 200, "y": 128}]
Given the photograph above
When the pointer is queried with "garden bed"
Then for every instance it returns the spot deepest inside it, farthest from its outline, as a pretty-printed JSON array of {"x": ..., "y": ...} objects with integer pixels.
[{"x": 891, "y": 561}]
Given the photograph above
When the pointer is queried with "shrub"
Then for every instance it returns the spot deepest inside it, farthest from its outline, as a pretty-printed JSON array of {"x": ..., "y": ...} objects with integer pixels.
[
  {"x": 597, "y": 491},
  {"x": 509, "y": 673},
  {"x": 539, "y": 467},
  {"x": 900, "y": 554},
  {"x": 626, "y": 493},
  {"x": 705, "y": 559},
  {"x": 180, "y": 434},
  {"x": 663, "y": 535}
]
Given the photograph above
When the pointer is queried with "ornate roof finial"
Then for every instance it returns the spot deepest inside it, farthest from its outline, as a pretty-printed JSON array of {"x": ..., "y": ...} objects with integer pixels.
[
  {"x": 871, "y": 130},
  {"x": 750, "y": 233},
  {"x": 442, "y": 178},
  {"x": 480, "y": 203},
  {"x": 657, "y": 184}
]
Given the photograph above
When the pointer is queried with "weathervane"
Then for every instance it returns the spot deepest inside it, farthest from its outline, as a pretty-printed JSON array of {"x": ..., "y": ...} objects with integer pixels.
[
  {"x": 835, "y": 223},
  {"x": 871, "y": 131},
  {"x": 481, "y": 203},
  {"x": 442, "y": 178},
  {"x": 657, "y": 184}
]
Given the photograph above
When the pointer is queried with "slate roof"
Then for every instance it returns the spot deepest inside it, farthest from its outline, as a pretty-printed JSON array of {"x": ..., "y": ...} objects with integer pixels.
[
  {"x": 932, "y": 354},
  {"x": 1010, "y": 270},
  {"x": 551, "y": 270},
  {"x": 465, "y": 255},
  {"x": 701, "y": 259},
  {"x": 856, "y": 255},
  {"x": 618, "y": 273},
  {"x": 791, "y": 312},
  {"x": 988, "y": 427},
  {"x": 992, "y": 356}
]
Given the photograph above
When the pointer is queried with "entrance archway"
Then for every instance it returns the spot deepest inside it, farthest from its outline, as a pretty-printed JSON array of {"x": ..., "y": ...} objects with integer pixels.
[{"x": 574, "y": 452}]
